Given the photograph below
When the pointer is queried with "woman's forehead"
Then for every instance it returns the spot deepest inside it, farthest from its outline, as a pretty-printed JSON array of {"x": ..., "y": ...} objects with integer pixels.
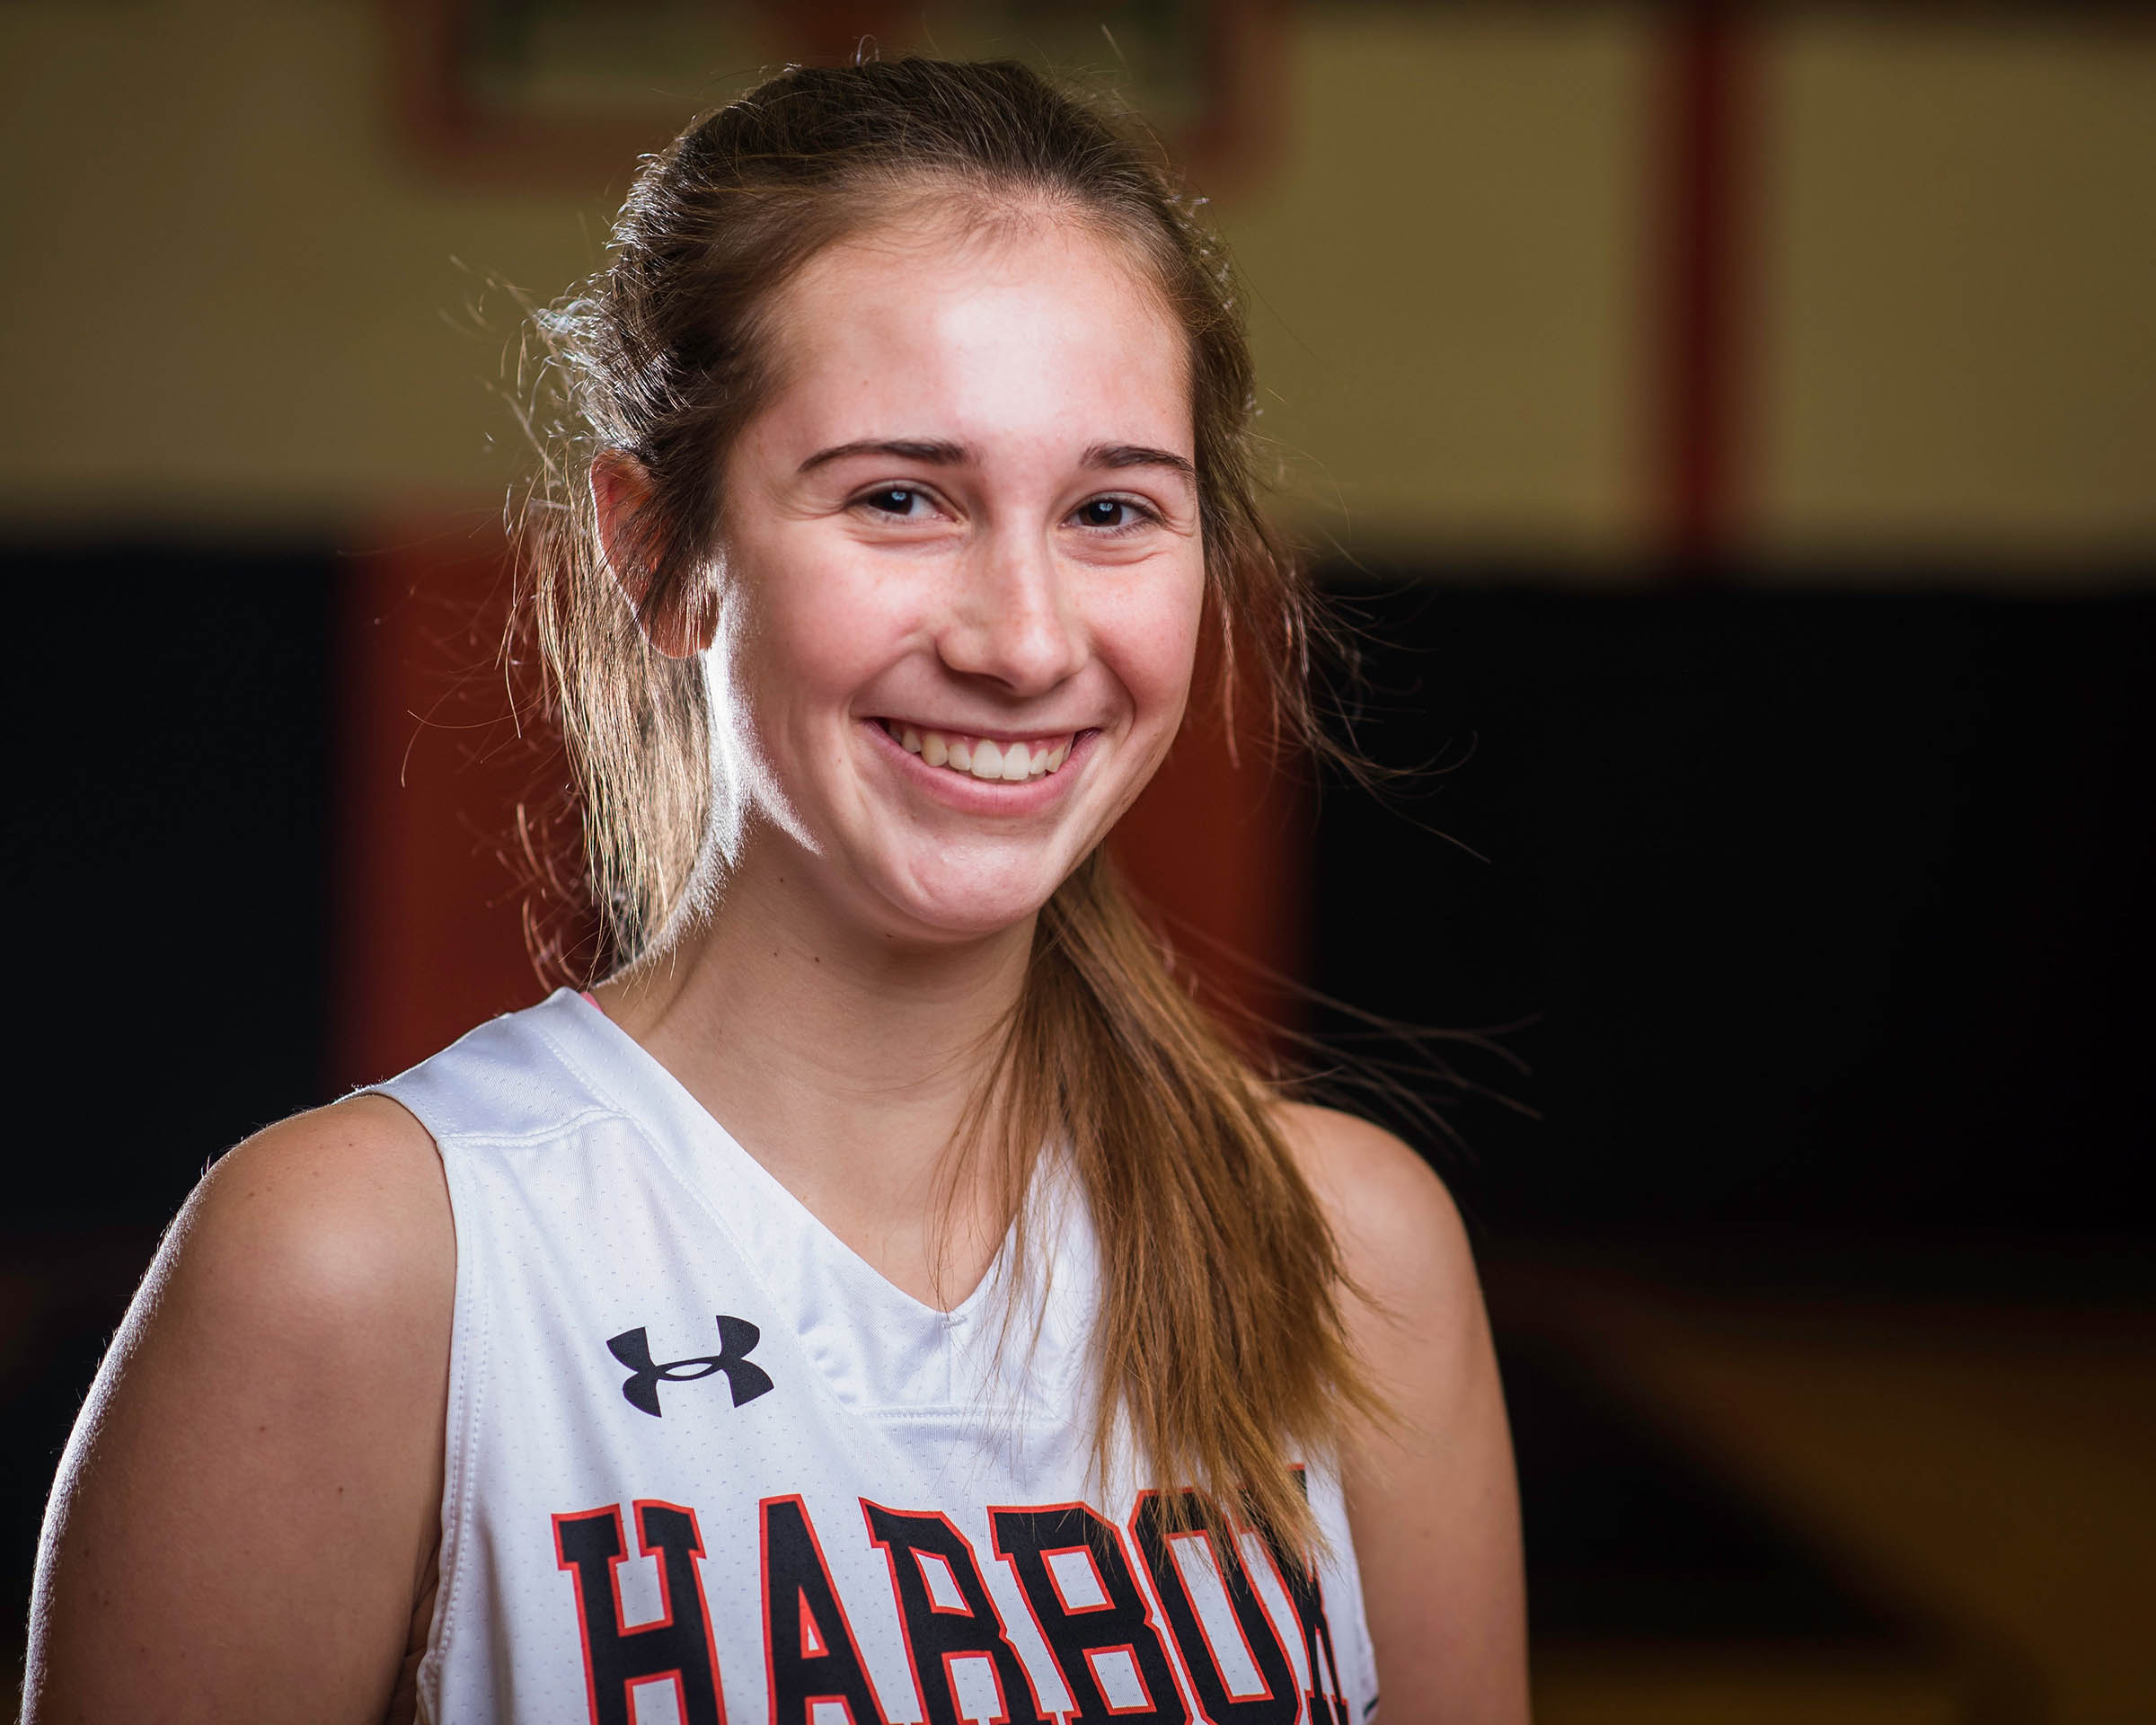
[{"x": 995, "y": 331}]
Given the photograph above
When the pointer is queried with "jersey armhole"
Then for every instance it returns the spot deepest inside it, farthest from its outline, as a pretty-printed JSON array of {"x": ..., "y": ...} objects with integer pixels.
[{"x": 468, "y": 1370}]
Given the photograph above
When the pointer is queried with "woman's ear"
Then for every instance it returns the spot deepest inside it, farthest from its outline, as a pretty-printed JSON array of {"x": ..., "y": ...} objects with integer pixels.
[{"x": 621, "y": 494}]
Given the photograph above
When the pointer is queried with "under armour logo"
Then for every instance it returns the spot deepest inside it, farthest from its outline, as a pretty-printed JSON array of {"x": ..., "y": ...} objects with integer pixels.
[{"x": 738, "y": 1337}]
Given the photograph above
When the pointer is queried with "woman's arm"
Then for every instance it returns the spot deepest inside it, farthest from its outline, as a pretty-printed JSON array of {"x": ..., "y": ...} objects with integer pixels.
[
  {"x": 248, "y": 1507},
  {"x": 1433, "y": 1502}
]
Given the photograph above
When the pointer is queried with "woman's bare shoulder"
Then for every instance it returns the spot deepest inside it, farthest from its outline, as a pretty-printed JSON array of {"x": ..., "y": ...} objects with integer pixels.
[
  {"x": 1399, "y": 1230},
  {"x": 363, "y": 1160},
  {"x": 278, "y": 1392},
  {"x": 345, "y": 1205},
  {"x": 1430, "y": 1494},
  {"x": 323, "y": 1240}
]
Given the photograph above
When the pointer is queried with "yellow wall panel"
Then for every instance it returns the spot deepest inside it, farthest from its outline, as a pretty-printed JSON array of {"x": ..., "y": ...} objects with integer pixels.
[
  {"x": 1957, "y": 346},
  {"x": 230, "y": 296},
  {"x": 1448, "y": 269}
]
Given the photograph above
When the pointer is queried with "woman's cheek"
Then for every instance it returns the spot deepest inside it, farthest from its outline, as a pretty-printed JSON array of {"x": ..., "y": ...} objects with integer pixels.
[{"x": 1161, "y": 646}]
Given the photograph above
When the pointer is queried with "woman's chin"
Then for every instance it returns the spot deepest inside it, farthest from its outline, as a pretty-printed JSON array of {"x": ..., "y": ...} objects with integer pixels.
[{"x": 950, "y": 905}]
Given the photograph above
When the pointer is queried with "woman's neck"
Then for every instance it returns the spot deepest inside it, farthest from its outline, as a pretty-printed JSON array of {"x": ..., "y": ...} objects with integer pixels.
[{"x": 841, "y": 1056}]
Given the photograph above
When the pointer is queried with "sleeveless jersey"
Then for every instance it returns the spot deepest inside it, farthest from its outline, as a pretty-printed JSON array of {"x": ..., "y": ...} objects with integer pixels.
[{"x": 703, "y": 1463}]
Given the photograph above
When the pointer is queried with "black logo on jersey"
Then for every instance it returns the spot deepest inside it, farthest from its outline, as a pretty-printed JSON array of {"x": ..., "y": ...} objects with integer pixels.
[{"x": 738, "y": 1338}]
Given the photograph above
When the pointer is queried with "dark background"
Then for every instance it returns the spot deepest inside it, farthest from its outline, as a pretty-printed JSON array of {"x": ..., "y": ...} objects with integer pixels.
[
  {"x": 1826, "y": 915},
  {"x": 168, "y": 855}
]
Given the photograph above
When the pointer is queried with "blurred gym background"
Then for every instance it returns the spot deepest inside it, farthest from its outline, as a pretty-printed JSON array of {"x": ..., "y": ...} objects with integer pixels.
[{"x": 1732, "y": 434}]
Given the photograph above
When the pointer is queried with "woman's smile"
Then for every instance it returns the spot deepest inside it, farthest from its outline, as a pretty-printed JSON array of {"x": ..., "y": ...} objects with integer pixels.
[
  {"x": 1004, "y": 775},
  {"x": 987, "y": 757}
]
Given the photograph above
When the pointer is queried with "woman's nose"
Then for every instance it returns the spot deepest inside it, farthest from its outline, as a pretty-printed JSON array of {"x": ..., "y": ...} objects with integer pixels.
[{"x": 1012, "y": 620}]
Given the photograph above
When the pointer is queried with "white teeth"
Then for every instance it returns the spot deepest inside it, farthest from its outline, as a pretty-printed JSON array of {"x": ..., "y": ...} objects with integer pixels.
[{"x": 983, "y": 758}]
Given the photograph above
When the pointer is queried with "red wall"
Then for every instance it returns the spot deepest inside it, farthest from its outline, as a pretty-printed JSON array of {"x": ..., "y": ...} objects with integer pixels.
[{"x": 433, "y": 887}]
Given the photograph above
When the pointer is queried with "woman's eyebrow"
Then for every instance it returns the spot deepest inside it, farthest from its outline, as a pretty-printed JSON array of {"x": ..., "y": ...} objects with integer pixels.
[
  {"x": 938, "y": 453},
  {"x": 934, "y": 452},
  {"x": 1137, "y": 454}
]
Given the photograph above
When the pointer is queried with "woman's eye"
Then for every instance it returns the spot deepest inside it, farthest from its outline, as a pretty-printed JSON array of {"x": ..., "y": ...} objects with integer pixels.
[
  {"x": 893, "y": 499},
  {"x": 1109, "y": 512}
]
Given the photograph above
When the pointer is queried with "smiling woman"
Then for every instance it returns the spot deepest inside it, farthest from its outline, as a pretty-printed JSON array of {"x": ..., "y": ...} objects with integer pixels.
[{"x": 1068, "y": 1369}]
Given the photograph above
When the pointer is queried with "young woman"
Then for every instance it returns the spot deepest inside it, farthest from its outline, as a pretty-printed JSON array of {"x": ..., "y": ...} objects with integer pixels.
[{"x": 887, "y": 1297}]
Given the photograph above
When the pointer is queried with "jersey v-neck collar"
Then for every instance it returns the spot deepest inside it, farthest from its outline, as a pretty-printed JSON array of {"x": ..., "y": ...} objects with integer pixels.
[{"x": 878, "y": 1348}]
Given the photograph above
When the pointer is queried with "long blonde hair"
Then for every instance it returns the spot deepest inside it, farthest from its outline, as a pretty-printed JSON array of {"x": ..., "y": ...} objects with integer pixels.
[{"x": 1221, "y": 1333}]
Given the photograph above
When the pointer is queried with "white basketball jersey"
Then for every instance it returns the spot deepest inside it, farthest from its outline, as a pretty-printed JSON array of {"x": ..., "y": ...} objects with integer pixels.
[{"x": 705, "y": 1465}]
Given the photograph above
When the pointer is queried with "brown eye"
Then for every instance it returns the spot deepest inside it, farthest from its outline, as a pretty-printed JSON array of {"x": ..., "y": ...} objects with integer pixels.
[
  {"x": 893, "y": 499},
  {"x": 1112, "y": 513}
]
